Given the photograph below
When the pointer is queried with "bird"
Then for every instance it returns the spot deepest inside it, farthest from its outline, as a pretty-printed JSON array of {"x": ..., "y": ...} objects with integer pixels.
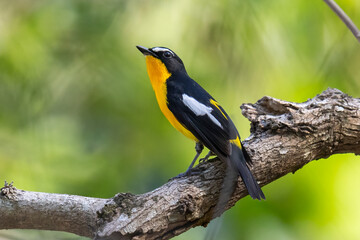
[{"x": 196, "y": 114}]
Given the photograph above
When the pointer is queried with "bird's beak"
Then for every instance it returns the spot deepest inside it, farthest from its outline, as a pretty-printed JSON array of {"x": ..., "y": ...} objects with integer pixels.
[{"x": 146, "y": 51}]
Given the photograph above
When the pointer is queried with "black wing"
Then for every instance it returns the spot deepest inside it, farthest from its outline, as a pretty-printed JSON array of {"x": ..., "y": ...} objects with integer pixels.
[{"x": 215, "y": 129}]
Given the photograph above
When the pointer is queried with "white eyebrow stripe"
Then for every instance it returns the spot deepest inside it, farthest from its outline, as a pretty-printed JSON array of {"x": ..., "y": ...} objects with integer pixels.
[
  {"x": 161, "y": 49},
  {"x": 199, "y": 109}
]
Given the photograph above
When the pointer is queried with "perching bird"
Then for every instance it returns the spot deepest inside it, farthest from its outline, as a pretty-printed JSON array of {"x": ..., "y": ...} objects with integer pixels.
[{"x": 196, "y": 114}]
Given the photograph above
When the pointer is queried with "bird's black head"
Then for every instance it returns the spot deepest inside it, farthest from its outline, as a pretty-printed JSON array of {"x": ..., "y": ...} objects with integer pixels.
[{"x": 172, "y": 62}]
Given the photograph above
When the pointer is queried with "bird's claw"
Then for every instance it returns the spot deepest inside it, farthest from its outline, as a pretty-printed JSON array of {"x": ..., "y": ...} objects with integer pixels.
[
  {"x": 202, "y": 160},
  {"x": 186, "y": 174},
  {"x": 206, "y": 158}
]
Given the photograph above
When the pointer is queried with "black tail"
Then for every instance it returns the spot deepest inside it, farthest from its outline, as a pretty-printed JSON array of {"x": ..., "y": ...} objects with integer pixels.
[{"x": 238, "y": 162}]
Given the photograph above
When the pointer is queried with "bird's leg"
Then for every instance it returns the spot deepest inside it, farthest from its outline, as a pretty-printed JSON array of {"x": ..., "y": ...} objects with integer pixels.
[
  {"x": 198, "y": 147},
  {"x": 202, "y": 160}
]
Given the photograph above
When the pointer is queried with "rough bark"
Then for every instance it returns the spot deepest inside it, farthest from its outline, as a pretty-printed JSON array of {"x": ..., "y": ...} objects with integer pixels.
[{"x": 284, "y": 137}]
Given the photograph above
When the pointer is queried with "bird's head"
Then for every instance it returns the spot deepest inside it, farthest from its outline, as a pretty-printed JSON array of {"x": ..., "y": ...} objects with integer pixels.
[{"x": 158, "y": 57}]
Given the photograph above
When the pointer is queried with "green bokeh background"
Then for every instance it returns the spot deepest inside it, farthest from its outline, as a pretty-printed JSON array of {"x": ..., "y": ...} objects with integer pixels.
[{"x": 78, "y": 114}]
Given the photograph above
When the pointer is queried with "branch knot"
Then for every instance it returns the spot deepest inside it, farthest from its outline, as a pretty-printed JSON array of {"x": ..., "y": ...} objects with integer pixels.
[{"x": 9, "y": 191}]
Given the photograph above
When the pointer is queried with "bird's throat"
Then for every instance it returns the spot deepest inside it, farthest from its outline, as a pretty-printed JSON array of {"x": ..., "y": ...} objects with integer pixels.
[{"x": 157, "y": 71}]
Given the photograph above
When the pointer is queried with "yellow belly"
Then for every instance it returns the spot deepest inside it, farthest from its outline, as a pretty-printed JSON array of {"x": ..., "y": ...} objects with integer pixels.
[{"x": 158, "y": 75}]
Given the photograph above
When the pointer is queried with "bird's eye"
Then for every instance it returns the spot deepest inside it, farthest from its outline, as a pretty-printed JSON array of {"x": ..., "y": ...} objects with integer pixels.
[{"x": 167, "y": 54}]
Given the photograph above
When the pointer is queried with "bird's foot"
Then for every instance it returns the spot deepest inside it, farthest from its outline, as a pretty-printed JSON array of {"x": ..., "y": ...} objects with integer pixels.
[
  {"x": 206, "y": 158},
  {"x": 202, "y": 160},
  {"x": 190, "y": 172}
]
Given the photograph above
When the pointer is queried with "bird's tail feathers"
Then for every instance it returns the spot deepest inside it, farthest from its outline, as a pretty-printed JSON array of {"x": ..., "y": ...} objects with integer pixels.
[{"x": 238, "y": 162}]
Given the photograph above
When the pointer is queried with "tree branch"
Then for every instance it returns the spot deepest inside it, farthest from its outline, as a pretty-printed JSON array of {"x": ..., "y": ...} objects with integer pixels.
[
  {"x": 284, "y": 137},
  {"x": 48, "y": 211},
  {"x": 344, "y": 17}
]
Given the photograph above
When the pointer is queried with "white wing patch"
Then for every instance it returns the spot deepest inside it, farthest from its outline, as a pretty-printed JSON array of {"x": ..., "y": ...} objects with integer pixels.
[{"x": 199, "y": 109}]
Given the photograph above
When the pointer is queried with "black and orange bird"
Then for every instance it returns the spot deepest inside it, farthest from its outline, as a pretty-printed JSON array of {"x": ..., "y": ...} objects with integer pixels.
[{"x": 196, "y": 114}]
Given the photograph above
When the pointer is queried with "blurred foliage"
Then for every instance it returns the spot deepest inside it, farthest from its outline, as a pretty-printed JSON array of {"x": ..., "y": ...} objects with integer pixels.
[{"x": 78, "y": 114}]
